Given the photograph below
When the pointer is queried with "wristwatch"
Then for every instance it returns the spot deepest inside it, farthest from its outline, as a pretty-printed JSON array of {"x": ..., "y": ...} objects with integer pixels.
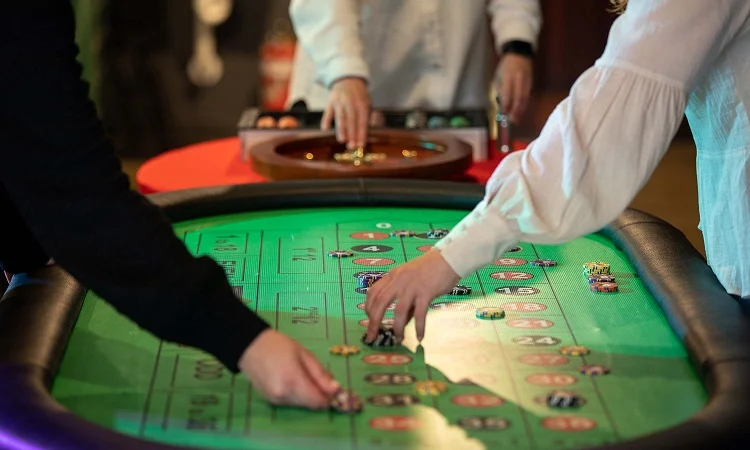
[{"x": 521, "y": 48}]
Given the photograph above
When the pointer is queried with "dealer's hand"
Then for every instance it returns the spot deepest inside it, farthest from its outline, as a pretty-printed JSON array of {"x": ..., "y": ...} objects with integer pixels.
[
  {"x": 414, "y": 285},
  {"x": 516, "y": 76},
  {"x": 349, "y": 105},
  {"x": 286, "y": 373}
]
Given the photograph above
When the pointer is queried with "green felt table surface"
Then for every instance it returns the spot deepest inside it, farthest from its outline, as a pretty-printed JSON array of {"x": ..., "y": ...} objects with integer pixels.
[{"x": 121, "y": 377}]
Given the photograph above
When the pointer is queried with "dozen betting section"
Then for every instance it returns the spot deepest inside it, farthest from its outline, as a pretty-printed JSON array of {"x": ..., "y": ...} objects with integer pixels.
[{"x": 346, "y": 401}]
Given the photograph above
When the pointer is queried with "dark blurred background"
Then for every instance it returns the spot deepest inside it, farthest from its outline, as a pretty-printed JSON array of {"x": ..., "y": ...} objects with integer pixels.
[{"x": 135, "y": 53}]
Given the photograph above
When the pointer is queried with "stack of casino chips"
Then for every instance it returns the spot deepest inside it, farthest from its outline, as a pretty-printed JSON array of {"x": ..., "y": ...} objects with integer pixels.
[
  {"x": 430, "y": 387},
  {"x": 599, "y": 278},
  {"x": 344, "y": 350},
  {"x": 340, "y": 253},
  {"x": 563, "y": 399},
  {"x": 437, "y": 233},
  {"x": 367, "y": 279},
  {"x": 544, "y": 263},
  {"x": 490, "y": 313},
  {"x": 346, "y": 402},
  {"x": 385, "y": 338},
  {"x": 593, "y": 370},
  {"x": 460, "y": 290}
]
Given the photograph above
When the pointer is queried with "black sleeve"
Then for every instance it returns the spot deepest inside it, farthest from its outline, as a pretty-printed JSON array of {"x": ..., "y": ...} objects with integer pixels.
[{"x": 65, "y": 179}]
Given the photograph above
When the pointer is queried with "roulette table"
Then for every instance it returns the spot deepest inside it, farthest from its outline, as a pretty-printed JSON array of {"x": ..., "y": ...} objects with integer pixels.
[{"x": 76, "y": 375}]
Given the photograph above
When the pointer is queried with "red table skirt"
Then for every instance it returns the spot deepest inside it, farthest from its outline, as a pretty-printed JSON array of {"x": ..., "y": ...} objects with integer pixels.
[{"x": 218, "y": 163}]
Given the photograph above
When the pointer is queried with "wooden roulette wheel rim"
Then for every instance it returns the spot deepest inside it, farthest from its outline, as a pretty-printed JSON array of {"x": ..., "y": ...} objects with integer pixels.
[{"x": 407, "y": 155}]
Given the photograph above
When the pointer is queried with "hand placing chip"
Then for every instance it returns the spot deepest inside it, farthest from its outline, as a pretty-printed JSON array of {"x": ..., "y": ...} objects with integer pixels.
[
  {"x": 286, "y": 373},
  {"x": 414, "y": 285}
]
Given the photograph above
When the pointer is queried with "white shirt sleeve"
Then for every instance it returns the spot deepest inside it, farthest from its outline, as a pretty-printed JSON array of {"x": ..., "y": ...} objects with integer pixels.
[
  {"x": 601, "y": 144},
  {"x": 515, "y": 20},
  {"x": 328, "y": 31}
]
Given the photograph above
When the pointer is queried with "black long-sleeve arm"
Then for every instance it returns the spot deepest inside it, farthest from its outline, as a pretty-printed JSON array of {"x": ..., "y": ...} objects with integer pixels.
[{"x": 63, "y": 176}]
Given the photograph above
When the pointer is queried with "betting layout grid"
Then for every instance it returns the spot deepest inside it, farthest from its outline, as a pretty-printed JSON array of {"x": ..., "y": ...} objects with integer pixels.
[{"x": 372, "y": 249}]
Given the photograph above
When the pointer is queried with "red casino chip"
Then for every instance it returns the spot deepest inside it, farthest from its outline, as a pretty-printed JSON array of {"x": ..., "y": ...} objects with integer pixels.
[{"x": 604, "y": 287}]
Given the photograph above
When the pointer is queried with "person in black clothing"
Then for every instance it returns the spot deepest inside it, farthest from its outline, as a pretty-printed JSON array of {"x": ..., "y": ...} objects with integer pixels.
[{"x": 63, "y": 194}]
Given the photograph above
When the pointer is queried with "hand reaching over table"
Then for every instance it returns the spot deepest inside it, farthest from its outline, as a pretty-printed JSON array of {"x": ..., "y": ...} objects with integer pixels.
[
  {"x": 286, "y": 373},
  {"x": 414, "y": 285}
]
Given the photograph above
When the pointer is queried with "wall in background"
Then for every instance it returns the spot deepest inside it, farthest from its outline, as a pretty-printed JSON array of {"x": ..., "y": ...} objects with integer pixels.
[{"x": 147, "y": 99}]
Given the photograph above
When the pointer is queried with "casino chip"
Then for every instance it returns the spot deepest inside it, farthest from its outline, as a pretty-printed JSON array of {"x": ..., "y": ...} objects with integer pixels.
[
  {"x": 340, "y": 253},
  {"x": 593, "y": 370},
  {"x": 459, "y": 122},
  {"x": 604, "y": 287},
  {"x": 346, "y": 401},
  {"x": 287, "y": 122},
  {"x": 385, "y": 338},
  {"x": 460, "y": 290},
  {"x": 490, "y": 313},
  {"x": 574, "y": 350},
  {"x": 544, "y": 262},
  {"x": 344, "y": 350},
  {"x": 368, "y": 279},
  {"x": 437, "y": 122},
  {"x": 369, "y": 272},
  {"x": 416, "y": 119},
  {"x": 402, "y": 233},
  {"x": 563, "y": 399},
  {"x": 601, "y": 279},
  {"x": 265, "y": 122},
  {"x": 437, "y": 233},
  {"x": 596, "y": 268},
  {"x": 430, "y": 387}
]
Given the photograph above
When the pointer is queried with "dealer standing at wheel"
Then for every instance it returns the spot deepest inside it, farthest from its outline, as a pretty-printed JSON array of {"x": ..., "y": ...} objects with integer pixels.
[
  {"x": 406, "y": 54},
  {"x": 664, "y": 59}
]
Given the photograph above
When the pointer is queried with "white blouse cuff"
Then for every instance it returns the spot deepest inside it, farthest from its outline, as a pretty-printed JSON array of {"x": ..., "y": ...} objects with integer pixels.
[{"x": 476, "y": 241}]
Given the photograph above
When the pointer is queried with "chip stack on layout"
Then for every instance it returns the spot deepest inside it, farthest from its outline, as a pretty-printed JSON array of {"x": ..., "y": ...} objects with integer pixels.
[
  {"x": 593, "y": 370},
  {"x": 346, "y": 402},
  {"x": 490, "y": 313},
  {"x": 563, "y": 399},
  {"x": 604, "y": 287},
  {"x": 601, "y": 279},
  {"x": 430, "y": 387},
  {"x": 437, "y": 233},
  {"x": 344, "y": 350},
  {"x": 385, "y": 338},
  {"x": 460, "y": 290},
  {"x": 544, "y": 263},
  {"x": 340, "y": 253},
  {"x": 366, "y": 280},
  {"x": 596, "y": 268}
]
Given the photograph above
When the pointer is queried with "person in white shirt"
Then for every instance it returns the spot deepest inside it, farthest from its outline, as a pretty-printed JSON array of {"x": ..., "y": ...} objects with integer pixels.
[
  {"x": 663, "y": 59},
  {"x": 406, "y": 54}
]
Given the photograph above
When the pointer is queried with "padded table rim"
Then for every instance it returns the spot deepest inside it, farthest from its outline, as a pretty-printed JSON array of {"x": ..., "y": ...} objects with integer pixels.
[{"x": 39, "y": 311}]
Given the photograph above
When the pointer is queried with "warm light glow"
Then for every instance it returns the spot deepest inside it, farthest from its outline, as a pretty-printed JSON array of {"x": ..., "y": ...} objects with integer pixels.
[{"x": 308, "y": 156}]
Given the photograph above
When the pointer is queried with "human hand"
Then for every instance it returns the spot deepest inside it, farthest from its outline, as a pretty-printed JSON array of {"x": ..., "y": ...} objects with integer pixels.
[
  {"x": 415, "y": 285},
  {"x": 286, "y": 373},
  {"x": 516, "y": 74},
  {"x": 349, "y": 104}
]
